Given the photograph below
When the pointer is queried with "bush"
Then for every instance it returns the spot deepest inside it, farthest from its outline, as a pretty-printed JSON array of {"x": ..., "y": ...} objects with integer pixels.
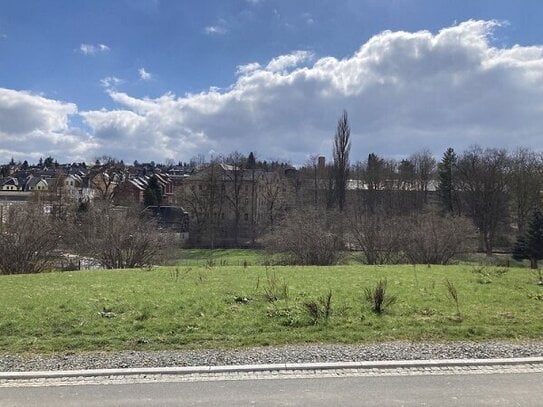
[
  {"x": 376, "y": 237},
  {"x": 305, "y": 237},
  {"x": 434, "y": 239},
  {"x": 117, "y": 238},
  {"x": 28, "y": 241}
]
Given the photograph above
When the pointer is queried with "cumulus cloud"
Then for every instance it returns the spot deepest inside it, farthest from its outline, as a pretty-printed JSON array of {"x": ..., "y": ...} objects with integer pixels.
[
  {"x": 403, "y": 91},
  {"x": 32, "y": 125},
  {"x": 281, "y": 63},
  {"x": 144, "y": 75},
  {"x": 90, "y": 49}
]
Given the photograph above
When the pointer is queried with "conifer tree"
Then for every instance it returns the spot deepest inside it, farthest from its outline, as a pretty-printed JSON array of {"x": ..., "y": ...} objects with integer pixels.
[{"x": 530, "y": 245}]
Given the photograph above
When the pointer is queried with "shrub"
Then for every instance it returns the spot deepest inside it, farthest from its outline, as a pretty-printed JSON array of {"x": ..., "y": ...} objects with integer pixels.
[
  {"x": 433, "y": 239},
  {"x": 117, "y": 238},
  {"x": 319, "y": 309},
  {"x": 28, "y": 241},
  {"x": 376, "y": 237},
  {"x": 306, "y": 238}
]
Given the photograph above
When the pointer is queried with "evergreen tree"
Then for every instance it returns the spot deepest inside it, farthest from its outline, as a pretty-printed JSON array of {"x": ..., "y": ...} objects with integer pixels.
[
  {"x": 152, "y": 196},
  {"x": 446, "y": 188},
  {"x": 251, "y": 161},
  {"x": 530, "y": 245}
]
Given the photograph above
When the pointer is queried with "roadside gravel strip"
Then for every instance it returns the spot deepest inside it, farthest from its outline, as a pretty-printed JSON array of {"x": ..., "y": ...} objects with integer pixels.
[{"x": 320, "y": 353}]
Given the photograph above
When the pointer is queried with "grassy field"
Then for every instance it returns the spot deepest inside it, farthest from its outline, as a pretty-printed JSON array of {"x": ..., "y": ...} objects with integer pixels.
[{"x": 234, "y": 306}]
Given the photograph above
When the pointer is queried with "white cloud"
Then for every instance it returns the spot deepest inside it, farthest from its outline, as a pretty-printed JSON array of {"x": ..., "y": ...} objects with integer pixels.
[
  {"x": 283, "y": 62},
  {"x": 32, "y": 125},
  {"x": 215, "y": 30},
  {"x": 248, "y": 68},
  {"x": 403, "y": 92},
  {"x": 144, "y": 75},
  {"x": 90, "y": 49},
  {"x": 111, "y": 82}
]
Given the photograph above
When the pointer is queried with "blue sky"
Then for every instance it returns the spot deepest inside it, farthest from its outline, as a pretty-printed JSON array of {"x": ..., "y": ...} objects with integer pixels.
[{"x": 165, "y": 79}]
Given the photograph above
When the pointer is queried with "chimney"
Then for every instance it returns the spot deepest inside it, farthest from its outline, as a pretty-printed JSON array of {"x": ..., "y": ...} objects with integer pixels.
[{"x": 321, "y": 163}]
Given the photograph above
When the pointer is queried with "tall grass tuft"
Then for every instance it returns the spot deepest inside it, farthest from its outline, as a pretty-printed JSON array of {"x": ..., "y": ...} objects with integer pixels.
[{"x": 378, "y": 298}]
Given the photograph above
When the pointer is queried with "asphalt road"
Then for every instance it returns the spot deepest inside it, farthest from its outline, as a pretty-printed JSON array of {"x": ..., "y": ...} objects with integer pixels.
[{"x": 503, "y": 389}]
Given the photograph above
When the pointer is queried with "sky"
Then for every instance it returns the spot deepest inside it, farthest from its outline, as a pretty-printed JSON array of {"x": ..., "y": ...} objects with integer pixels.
[{"x": 173, "y": 79}]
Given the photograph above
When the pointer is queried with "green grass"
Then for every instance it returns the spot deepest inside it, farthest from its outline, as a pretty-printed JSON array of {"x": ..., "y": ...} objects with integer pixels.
[
  {"x": 219, "y": 257},
  {"x": 203, "y": 307}
]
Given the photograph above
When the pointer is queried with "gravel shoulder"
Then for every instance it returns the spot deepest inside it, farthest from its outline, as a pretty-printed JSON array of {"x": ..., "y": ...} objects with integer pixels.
[{"x": 272, "y": 355}]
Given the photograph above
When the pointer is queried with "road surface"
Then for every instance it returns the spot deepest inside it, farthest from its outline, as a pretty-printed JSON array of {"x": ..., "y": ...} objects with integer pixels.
[{"x": 443, "y": 390}]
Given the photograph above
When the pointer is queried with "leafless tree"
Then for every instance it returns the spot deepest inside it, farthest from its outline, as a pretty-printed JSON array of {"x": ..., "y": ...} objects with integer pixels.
[
  {"x": 117, "y": 238},
  {"x": 273, "y": 191},
  {"x": 234, "y": 173},
  {"x": 482, "y": 177},
  {"x": 105, "y": 177},
  {"x": 204, "y": 198},
  {"x": 525, "y": 182},
  {"x": 28, "y": 240},
  {"x": 425, "y": 168}
]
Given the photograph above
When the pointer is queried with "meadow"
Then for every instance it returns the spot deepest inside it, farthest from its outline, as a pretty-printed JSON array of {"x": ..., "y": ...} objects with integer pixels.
[{"x": 236, "y": 301}]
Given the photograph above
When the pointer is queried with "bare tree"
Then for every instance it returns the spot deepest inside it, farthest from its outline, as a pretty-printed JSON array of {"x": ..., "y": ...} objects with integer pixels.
[
  {"x": 273, "y": 198},
  {"x": 482, "y": 177},
  {"x": 117, "y": 238},
  {"x": 105, "y": 177},
  {"x": 342, "y": 147},
  {"x": 203, "y": 196},
  {"x": 28, "y": 240},
  {"x": 234, "y": 173},
  {"x": 425, "y": 166},
  {"x": 525, "y": 182}
]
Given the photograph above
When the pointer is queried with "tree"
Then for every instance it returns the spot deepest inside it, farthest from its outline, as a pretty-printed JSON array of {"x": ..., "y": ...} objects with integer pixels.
[
  {"x": 152, "y": 196},
  {"x": 424, "y": 165},
  {"x": 117, "y": 238},
  {"x": 49, "y": 162},
  {"x": 530, "y": 244},
  {"x": 447, "y": 185},
  {"x": 483, "y": 190},
  {"x": 105, "y": 178},
  {"x": 273, "y": 191},
  {"x": 28, "y": 241},
  {"x": 203, "y": 197},
  {"x": 234, "y": 174},
  {"x": 342, "y": 147},
  {"x": 525, "y": 182}
]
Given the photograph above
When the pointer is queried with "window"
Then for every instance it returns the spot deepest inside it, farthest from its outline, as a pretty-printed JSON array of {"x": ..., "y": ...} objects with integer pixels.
[{"x": 246, "y": 217}]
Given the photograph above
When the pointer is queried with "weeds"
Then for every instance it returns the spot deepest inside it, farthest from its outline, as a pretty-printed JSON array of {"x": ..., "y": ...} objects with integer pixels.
[
  {"x": 485, "y": 275},
  {"x": 275, "y": 288},
  {"x": 319, "y": 309},
  {"x": 378, "y": 298},
  {"x": 453, "y": 294}
]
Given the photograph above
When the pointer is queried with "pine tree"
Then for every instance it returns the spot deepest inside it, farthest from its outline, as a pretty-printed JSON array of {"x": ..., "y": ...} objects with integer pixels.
[
  {"x": 530, "y": 245},
  {"x": 446, "y": 188},
  {"x": 152, "y": 196}
]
